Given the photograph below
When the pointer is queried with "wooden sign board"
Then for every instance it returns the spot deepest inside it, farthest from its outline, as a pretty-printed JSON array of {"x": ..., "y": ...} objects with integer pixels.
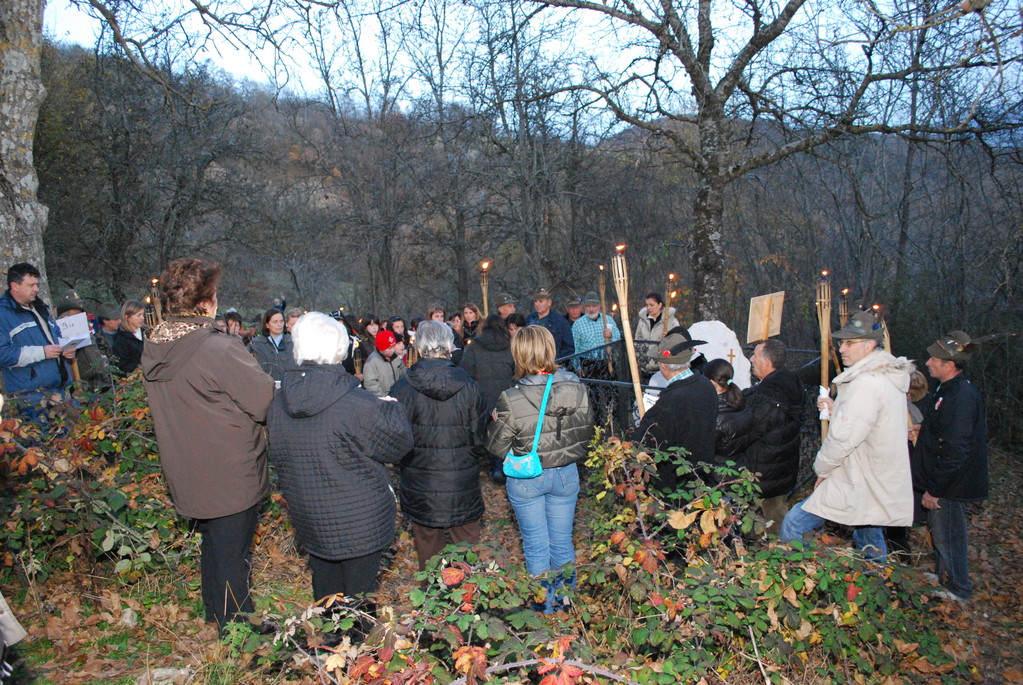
[{"x": 765, "y": 317}]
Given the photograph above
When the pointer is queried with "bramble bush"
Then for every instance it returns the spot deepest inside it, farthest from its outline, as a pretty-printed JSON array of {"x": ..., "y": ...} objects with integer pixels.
[{"x": 85, "y": 484}]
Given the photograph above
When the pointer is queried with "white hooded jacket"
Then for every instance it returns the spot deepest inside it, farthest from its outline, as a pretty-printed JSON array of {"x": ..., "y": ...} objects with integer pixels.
[{"x": 865, "y": 458}]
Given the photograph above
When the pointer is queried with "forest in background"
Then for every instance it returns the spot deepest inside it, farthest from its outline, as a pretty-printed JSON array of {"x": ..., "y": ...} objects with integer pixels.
[{"x": 389, "y": 209}]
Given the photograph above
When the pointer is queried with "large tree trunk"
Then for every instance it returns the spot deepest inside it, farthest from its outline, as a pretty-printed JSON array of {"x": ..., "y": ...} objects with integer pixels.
[
  {"x": 705, "y": 256},
  {"x": 22, "y": 218}
]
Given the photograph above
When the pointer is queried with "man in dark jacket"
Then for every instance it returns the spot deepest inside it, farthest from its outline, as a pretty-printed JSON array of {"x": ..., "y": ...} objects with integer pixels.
[
  {"x": 776, "y": 404},
  {"x": 543, "y": 315},
  {"x": 440, "y": 480},
  {"x": 952, "y": 457},
  {"x": 32, "y": 360},
  {"x": 684, "y": 414}
]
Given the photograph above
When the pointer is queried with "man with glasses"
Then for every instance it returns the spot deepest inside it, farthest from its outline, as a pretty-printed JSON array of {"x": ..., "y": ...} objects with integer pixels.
[
  {"x": 863, "y": 473},
  {"x": 953, "y": 467}
]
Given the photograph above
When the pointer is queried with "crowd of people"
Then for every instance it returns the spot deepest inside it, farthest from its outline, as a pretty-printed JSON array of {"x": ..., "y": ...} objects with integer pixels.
[{"x": 334, "y": 403}]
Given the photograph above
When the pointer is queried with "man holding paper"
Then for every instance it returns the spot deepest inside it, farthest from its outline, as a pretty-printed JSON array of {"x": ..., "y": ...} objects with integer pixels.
[{"x": 32, "y": 360}]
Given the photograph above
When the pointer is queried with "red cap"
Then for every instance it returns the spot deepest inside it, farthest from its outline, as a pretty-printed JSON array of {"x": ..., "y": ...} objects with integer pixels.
[{"x": 385, "y": 340}]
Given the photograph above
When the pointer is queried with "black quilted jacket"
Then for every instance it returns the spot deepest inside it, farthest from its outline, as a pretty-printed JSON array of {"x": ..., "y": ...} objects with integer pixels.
[
  {"x": 440, "y": 479},
  {"x": 777, "y": 408},
  {"x": 329, "y": 441}
]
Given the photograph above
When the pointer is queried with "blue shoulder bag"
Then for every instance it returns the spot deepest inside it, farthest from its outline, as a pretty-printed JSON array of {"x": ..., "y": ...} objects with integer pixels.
[{"x": 528, "y": 465}]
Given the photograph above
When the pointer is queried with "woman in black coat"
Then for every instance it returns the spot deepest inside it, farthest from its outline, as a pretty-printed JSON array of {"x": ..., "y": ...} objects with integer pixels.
[
  {"x": 488, "y": 360},
  {"x": 329, "y": 441},
  {"x": 734, "y": 422},
  {"x": 127, "y": 345},
  {"x": 440, "y": 482}
]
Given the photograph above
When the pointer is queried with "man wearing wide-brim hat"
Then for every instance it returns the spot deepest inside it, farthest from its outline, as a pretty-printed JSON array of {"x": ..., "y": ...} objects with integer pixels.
[
  {"x": 594, "y": 330},
  {"x": 685, "y": 414},
  {"x": 543, "y": 315},
  {"x": 505, "y": 305},
  {"x": 863, "y": 473},
  {"x": 951, "y": 460}
]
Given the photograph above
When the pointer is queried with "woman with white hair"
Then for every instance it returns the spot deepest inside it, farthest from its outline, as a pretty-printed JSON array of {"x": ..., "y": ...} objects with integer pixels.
[
  {"x": 329, "y": 441},
  {"x": 440, "y": 479}
]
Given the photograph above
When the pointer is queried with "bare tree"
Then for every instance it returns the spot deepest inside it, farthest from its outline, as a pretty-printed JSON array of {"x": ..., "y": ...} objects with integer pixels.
[{"x": 737, "y": 86}]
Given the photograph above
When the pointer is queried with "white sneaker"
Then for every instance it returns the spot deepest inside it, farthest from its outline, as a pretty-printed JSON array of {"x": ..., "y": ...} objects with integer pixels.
[{"x": 947, "y": 595}]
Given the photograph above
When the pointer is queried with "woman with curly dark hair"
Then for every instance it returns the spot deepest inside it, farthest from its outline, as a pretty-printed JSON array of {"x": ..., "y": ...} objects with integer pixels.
[{"x": 208, "y": 397}]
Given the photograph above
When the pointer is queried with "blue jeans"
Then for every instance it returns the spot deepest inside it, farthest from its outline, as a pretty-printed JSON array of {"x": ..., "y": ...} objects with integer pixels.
[
  {"x": 951, "y": 551},
  {"x": 869, "y": 539},
  {"x": 545, "y": 509}
]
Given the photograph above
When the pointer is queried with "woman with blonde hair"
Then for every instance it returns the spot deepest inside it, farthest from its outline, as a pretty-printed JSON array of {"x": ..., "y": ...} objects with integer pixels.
[
  {"x": 544, "y": 505},
  {"x": 128, "y": 340}
]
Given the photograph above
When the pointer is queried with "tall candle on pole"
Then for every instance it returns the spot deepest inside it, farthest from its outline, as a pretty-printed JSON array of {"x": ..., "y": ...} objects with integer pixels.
[
  {"x": 620, "y": 273},
  {"x": 485, "y": 286},
  {"x": 824, "y": 321},
  {"x": 669, "y": 295}
]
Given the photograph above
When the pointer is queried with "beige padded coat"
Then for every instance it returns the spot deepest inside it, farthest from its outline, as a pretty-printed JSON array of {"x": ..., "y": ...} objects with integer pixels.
[{"x": 864, "y": 461}]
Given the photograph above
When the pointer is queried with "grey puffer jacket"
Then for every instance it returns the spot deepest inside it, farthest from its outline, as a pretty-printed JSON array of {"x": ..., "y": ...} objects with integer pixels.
[
  {"x": 329, "y": 441},
  {"x": 567, "y": 424},
  {"x": 273, "y": 359}
]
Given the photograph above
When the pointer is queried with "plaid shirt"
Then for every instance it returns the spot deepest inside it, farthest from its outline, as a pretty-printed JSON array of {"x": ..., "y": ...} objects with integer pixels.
[{"x": 589, "y": 333}]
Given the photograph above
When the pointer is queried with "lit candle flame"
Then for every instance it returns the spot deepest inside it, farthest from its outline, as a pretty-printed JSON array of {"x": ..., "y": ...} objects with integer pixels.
[
  {"x": 148, "y": 301},
  {"x": 485, "y": 265},
  {"x": 601, "y": 267},
  {"x": 824, "y": 274},
  {"x": 876, "y": 307},
  {"x": 155, "y": 281},
  {"x": 845, "y": 291},
  {"x": 671, "y": 277},
  {"x": 673, "y": 294},
  {"x": 619, "y": 248}
]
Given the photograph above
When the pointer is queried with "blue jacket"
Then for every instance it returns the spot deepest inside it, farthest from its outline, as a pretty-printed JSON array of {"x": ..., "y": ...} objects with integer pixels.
[
  {"x": 564, "y": 344},
  {"x": 25, "y": 366}
]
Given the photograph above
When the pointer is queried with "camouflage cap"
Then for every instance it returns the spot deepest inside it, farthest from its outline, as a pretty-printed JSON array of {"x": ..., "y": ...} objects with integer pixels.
[
  {"x": 956, "y": 346},
  {"x": 860, "y": 326}
]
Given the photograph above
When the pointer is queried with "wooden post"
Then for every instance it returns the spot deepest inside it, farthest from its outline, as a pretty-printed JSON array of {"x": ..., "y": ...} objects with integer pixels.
[{"x": 620, "y": 272}]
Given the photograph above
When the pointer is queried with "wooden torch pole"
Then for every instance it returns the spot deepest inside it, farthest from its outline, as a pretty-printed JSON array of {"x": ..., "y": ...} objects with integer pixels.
[
  {"x": 824, "y": 320},
  {"x": 620, "y": 273},
  {"x": 485, "y": 287}
]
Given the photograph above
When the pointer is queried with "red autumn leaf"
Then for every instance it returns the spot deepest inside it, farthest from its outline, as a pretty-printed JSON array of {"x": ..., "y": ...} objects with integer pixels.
[
  {"x": 617, "y": 537},
  {"x": 851, "y": 591},
  {"x": 656, "y": 599},
  {"x": 452, "y": 576}
]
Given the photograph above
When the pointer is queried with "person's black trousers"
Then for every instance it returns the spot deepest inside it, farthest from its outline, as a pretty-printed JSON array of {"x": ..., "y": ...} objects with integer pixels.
[
  {"x": 226, "y": 557},
  {"x": 350, "y": 577}
]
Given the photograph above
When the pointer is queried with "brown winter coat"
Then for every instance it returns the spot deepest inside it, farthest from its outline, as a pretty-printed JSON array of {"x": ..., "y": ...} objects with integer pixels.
[{"x": 208, "y": 397}]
